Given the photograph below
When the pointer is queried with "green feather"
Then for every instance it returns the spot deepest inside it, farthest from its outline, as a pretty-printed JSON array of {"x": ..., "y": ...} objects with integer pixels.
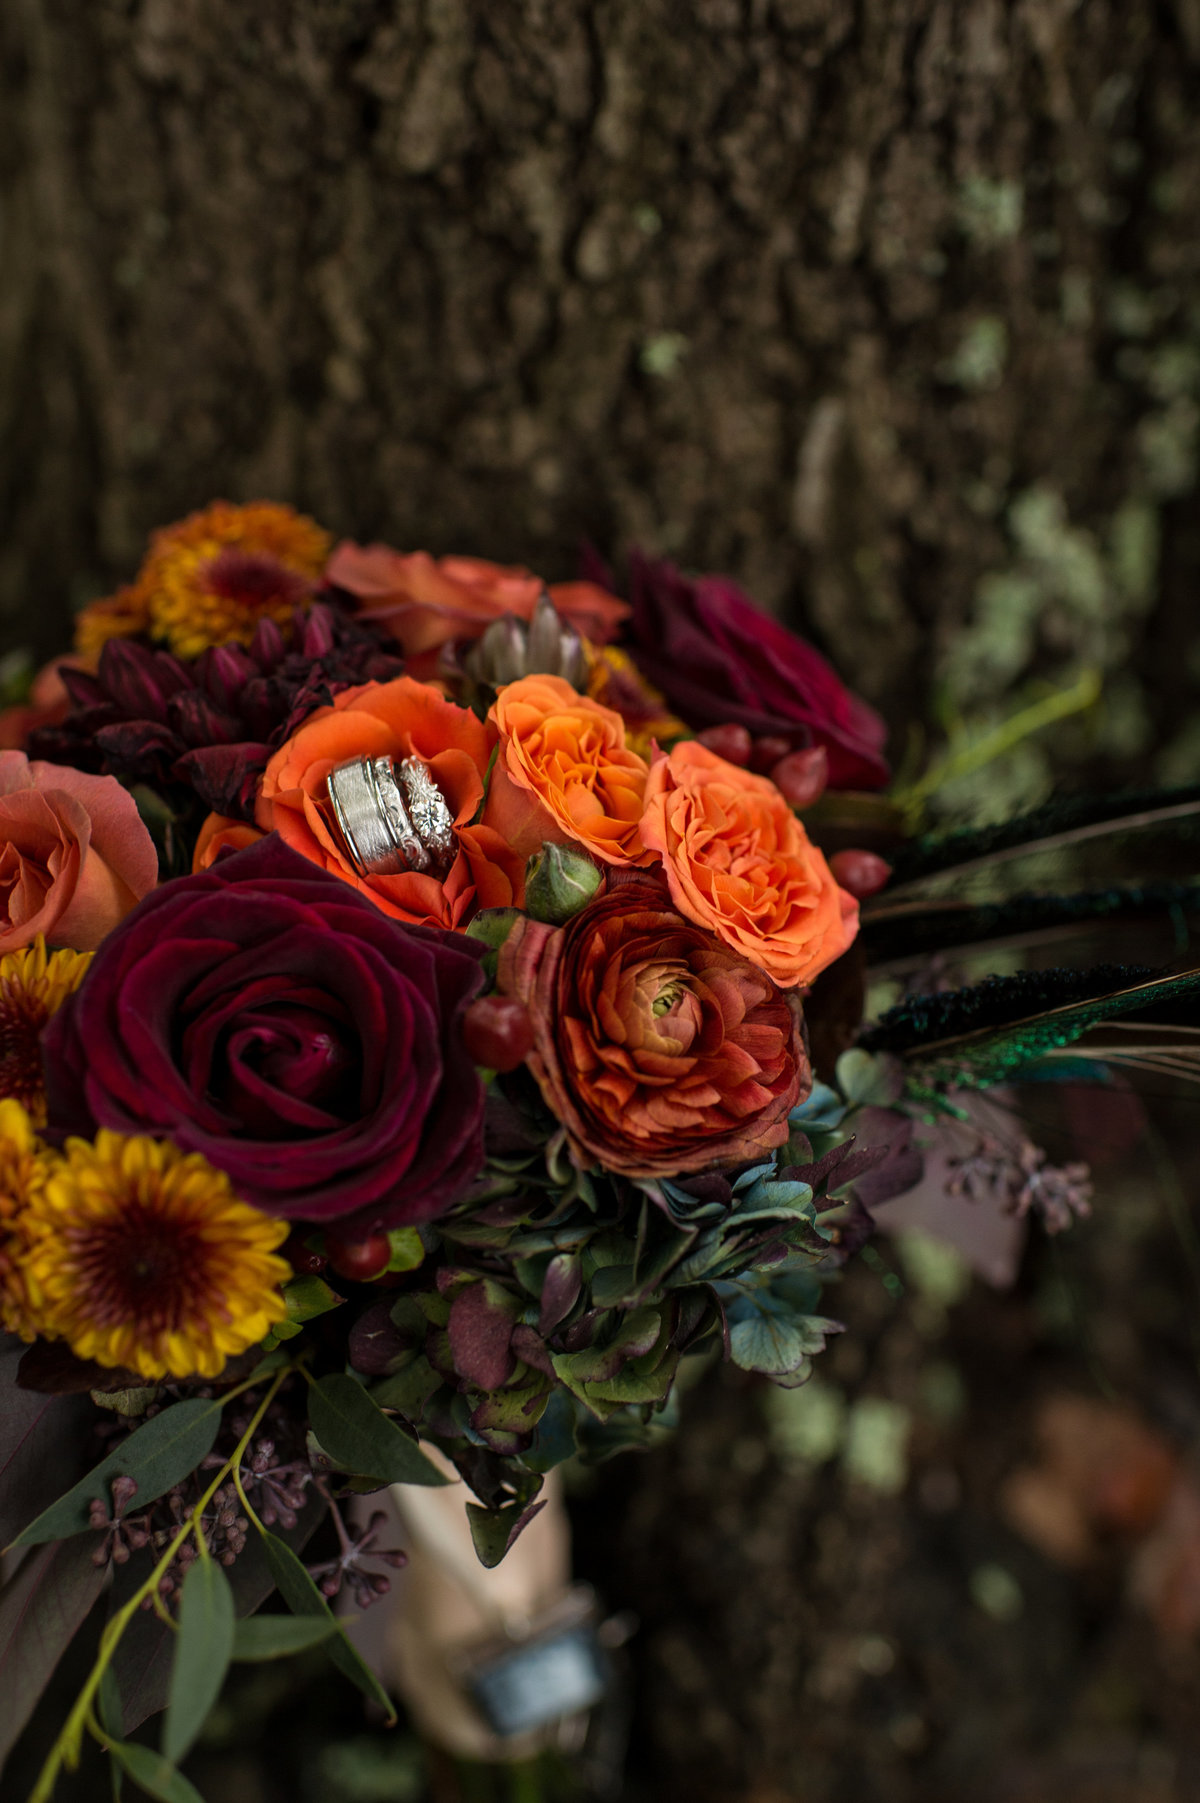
[{"x": 993, "y": 1055}]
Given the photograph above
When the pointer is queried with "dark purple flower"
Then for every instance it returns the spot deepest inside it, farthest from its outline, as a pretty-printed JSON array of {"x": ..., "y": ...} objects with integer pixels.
[
  {"x": 212, "y": 723},
  {"x": 720, "y": 660},
  {"x": 269, "y": 1017}
]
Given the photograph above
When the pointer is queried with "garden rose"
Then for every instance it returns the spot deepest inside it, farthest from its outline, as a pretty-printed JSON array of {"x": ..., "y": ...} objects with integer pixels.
[
  {"x": 719, "y": 659},
  {"x": 425, "y": 602},
  {"x": 400, "y": 719},
  {"x": 565, "y": 772},
  {"x": 74, "y": 855},
  {"x": 660, "y": 1050},
  {"x": 739, "y": 863},
  {"x": 266, "y": 1016}
]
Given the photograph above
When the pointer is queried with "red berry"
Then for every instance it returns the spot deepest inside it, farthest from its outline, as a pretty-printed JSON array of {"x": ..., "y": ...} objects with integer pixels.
[
  {"x": 729, "y": 742},
  {"x": 767, "y": 751},
  {"x": 360, "y": 1260},
  {"x": 801, "y": 776},
  {"x": 860, "y": 872},
  {"x": 303, "y": 1260},
  {"x": 498, "y": 1032}
]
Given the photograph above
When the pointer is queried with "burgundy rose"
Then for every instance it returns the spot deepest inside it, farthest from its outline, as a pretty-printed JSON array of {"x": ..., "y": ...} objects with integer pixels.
[
  {"x": 658, "y": 1048},
  {"x": 266, "y": 1015},
  {"x": 721, "y": 660}
]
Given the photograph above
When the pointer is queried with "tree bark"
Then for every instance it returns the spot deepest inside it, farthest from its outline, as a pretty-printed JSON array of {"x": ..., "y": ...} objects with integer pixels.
[{"x": 887, "y": 307}]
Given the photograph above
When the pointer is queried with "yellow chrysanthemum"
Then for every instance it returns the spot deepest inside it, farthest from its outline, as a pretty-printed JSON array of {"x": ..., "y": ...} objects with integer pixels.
[
  {"x": 34, "y": 984},
  {"x": 210, "y": 579},
  {"x": 24, "y": 1164},
  {"x": 118, "y": 616},
  {"x": 141, "y": 1256},
  {"x": 215, "y": 575},
  {"x": 615, "y": 681}
]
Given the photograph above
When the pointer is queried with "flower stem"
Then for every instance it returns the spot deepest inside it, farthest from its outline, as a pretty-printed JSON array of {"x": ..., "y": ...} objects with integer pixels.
[{"x": 65, "y": 1750}]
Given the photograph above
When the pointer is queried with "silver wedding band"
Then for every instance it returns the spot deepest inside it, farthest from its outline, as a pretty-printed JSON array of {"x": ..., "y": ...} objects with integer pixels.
[{"x": 391, "y": 817}]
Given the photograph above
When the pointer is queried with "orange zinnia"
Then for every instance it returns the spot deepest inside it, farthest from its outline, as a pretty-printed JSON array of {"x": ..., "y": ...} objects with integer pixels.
[
  {"x": 739, "y": 863},
  {"x": 565, "y": 772}
]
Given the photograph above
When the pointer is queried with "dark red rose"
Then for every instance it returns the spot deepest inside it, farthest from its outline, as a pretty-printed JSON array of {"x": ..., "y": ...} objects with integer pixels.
[
  {"x": 268, "y": 1016},
  {"x": 720, "y": 660}
]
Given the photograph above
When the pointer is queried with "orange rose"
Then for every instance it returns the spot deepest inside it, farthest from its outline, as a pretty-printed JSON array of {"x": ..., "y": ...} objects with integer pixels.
[
  {"x": 222, "y": 833},
  {"x": 740, "y": 863},
  {"x": 565, "y": 772},
  {"x": 74, "y": 855},
  {"x": 397, "y": 719},
  {"x": 425, "y": 602}
]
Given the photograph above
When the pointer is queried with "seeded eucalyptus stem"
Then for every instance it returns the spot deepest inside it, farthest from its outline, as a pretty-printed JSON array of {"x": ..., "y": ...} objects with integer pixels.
[{"x": 66, "y": 1748}]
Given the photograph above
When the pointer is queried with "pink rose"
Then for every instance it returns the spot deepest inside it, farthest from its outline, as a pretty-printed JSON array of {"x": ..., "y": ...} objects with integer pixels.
[{"x": 74, "y": 855}]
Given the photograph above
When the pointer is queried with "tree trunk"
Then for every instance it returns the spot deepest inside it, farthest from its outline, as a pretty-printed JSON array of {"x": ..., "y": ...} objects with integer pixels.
[{"x": 863, "y": 303}]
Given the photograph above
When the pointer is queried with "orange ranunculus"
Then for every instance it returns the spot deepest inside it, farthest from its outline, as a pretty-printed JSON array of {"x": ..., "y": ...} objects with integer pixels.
[
  {"x": 565, "y": 772},
  {"x": 740, "y": 863},
  {"x": 75, "y": 857},
  {"x": 659, "y": 1050},
  {"x": 425, "y": 602},
  {"x": 397, "y": 719}
]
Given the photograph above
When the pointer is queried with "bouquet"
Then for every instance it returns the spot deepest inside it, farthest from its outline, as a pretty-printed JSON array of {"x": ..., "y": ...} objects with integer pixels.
[{"x": 432, "y": 1010}]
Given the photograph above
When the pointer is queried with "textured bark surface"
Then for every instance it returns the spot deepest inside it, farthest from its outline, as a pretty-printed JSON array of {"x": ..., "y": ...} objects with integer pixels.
[{"x": 865, "y": 301}]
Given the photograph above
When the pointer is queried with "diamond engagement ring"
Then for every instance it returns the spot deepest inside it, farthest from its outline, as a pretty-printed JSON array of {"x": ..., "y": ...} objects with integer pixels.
[{"x": 392, "y": 817}]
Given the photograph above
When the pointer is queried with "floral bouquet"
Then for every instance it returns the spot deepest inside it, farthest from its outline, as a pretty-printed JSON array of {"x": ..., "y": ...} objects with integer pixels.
[{"x": 431, "y": 1009}]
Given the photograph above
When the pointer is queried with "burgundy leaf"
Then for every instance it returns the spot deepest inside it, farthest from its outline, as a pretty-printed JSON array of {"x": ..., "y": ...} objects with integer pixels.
[{"x": 480, "y": 1331}]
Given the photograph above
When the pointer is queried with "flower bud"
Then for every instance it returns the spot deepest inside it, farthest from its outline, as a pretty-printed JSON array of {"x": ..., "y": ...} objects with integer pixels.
[{"x": 558, "y": 882}]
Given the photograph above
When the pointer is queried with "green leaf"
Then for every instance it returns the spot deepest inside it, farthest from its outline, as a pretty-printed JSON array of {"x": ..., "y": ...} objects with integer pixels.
[
  {"x": 303, "y": 1598},
  {"x": 162, "y": 1452},
  {"x": 278, "y": 1636},
  {"x": 310, "y": 1296},
  {"x": 408, "y": 1389},
  {"x": 156, "y": 1775},
  {"x": 360, "y": 1439},
  {"x": 778, "y": 1344},
  {"x": 407, "y": 1249},
  {"x": 494, "y": 1530},
  {"x": 202, "y": 1654}
]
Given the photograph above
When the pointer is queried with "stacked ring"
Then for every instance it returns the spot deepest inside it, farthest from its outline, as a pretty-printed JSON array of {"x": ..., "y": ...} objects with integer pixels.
[{"x": 391, "y": 818}]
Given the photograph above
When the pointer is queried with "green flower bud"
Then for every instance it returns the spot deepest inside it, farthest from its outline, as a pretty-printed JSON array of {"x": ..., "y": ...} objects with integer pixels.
[{"x": 558, "y": 882}]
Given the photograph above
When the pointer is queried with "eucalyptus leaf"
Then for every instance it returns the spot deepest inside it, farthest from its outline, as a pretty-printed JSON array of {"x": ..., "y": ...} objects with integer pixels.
[
  {"x": 154, "y": 1773},
  {"x": 40, "y": 1440},
  {"x": 42, "y": 1607},
  {"x": 202, "y": 1653},
  {"x": 359, "y": 1438},
  {"x": 156, "y": 1455},
  {"x": 279, "y": 1636},
  {"x": 303, "y": 1598}
]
